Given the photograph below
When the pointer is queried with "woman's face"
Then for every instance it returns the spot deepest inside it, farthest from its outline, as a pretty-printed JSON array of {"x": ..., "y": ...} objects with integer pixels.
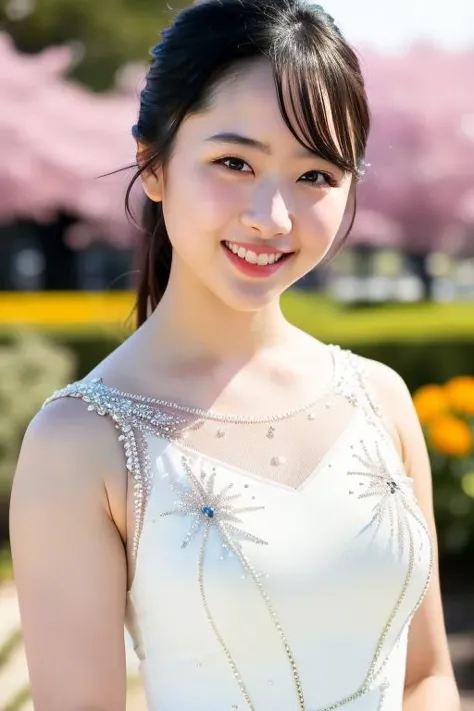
[{"x": 248, "y": 210}]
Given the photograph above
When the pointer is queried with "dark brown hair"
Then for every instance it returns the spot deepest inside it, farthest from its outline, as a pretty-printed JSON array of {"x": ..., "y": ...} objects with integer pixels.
[{"x": 312, "y": 64}]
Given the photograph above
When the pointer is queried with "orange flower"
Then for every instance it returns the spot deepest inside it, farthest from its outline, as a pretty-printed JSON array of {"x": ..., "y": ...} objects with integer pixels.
[
  {"x": 450, "y": 435},
  {"x": 430, "y": 402},
  {"x": 460, "y": 394}
]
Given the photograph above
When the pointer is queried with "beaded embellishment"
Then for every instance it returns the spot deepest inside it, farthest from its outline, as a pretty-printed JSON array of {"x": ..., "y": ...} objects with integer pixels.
[{"x": 135, "y": 417}]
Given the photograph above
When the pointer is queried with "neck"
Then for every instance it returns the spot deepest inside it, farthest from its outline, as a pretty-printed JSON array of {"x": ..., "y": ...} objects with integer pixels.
[{"x": 192, "y": 321}]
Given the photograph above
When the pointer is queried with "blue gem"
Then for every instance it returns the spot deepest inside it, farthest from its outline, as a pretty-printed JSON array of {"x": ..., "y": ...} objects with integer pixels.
[{"x": 207, "y": 511}]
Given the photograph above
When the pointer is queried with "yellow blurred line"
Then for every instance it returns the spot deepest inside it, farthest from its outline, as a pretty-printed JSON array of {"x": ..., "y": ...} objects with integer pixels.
[{"x": 65, "y": 308}]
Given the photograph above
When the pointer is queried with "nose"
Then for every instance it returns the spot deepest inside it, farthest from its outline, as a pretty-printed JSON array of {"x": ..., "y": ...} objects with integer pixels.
[{"x": 268, "y": 215}]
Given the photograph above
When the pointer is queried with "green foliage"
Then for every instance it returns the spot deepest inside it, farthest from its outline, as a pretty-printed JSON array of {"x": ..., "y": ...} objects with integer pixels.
[
  {"x": 390, "y": 323},
  {"x": 6, "y": 570},
  {"x": 8, "y": 648},
  {"x": 30, "y": 369},
  {"x": 454, "y": 508},
  {"x": 18, "y": 702},
  {"x": 111, "y": 32},
  {"x": 425, "y": 343}
]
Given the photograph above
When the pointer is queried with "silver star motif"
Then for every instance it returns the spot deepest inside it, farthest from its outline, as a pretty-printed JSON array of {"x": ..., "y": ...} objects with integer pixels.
[
  {"x": 352, "y": 399},
  {"x": 392, "y": 489},
  {"x": 207, "y": 508}
]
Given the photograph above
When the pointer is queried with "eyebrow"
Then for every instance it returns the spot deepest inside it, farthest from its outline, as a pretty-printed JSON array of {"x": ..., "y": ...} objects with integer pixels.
[{"x": 240, "y": 140}]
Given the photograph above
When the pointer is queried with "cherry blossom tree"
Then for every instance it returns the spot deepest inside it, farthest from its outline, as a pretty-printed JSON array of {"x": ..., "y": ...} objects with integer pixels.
[
  {"x": 421, "y": 148},
  {"x": 57, "y": 137}
]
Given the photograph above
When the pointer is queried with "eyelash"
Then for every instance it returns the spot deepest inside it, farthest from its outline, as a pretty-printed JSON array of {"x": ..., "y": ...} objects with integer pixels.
[{"x": 329, "y": 179}]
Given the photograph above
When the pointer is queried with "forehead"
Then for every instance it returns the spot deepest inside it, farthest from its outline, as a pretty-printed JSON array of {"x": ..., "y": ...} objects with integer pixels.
[
  {"x": 246, "y": 101},
  {"x": 246, "y": 96}
]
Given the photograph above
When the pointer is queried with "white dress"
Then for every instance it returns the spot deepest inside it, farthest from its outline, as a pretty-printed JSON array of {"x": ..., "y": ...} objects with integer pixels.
[{"x": 278, "y": 561}]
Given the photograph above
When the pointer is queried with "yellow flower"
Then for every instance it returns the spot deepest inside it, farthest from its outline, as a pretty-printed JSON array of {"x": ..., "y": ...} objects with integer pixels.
[
  {"x": 430, "y": 402},
  {"x": 450, "y": 435},
  {"x": 460, "y": 394}
]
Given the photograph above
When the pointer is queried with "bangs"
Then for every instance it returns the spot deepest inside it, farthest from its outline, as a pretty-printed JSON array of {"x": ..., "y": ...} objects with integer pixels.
[{"x": 321, "y": 111}]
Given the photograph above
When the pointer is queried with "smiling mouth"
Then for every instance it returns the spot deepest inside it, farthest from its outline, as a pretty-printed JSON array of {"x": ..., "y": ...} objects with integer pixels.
[{"x": 261, "y": 259}]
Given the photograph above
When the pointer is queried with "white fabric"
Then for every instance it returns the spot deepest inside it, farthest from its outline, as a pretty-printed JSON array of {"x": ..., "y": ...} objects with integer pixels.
[
  {"x": 277, "y": 564},
  {"x": 333, "y": 578}
]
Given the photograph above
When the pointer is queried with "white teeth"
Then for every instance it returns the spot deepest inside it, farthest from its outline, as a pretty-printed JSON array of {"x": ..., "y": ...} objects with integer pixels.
[{"x": 253, "y": 258}]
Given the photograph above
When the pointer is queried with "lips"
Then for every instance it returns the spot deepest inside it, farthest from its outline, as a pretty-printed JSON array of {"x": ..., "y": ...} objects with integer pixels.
[
  {"x": 255, "y": 261},
  {"x": 261, "y": 255}
]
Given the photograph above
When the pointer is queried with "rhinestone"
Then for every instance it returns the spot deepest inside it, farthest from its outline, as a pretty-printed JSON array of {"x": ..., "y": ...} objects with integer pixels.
[
  {"x": 271, "y": 432},
  {"x": 138, "y": 416},
  {"x": 220, "y": 433},
  {"x": 276, "y": 461},
  {"x": 312, "y": 416}
]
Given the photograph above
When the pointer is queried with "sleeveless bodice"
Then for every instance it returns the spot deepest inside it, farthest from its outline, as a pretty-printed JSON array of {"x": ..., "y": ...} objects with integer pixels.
[{"x": 270, "y": 592}]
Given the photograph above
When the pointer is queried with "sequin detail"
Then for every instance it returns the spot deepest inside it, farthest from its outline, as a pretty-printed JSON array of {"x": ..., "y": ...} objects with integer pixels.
[
  {"x": 208, "y": 507},
  {"x": 393, "y": 492},
  {"x": 134, "y": 418},
  {"x": 384, "y": 687},
  {"x": 397, "y": 504},
  {"x": 192, "y": 501}
]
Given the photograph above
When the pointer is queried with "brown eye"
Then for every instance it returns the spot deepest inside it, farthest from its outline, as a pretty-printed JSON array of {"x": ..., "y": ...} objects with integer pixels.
[
  {"x": 235, "y": 164},
  {"x": 318, "y": 178}
]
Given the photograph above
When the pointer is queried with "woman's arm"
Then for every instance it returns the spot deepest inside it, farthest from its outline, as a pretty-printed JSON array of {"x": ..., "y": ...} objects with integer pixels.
[
  {"x": 430, "y": 684},
  {"x": 69, "y": 559}
]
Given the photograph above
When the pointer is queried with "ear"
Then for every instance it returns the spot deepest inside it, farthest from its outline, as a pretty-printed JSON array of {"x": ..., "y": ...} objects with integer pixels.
[{"x": 152, "y": 178}]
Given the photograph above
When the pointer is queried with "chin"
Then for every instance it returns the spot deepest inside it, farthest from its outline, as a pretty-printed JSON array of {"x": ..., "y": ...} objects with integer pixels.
[{"x": 248, "y": 300}]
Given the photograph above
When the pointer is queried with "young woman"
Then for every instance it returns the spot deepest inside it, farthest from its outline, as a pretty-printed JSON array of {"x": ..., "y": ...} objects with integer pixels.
[{"x": 268, "y": 536}]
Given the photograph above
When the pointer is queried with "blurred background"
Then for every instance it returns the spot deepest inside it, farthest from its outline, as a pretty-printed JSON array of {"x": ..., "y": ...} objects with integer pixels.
[{"x": 402, "y": 291}]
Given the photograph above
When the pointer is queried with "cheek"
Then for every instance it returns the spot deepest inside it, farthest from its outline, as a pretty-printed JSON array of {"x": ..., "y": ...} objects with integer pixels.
[
  {"x": 323, "y": 220},
  {"x": 209, "y": 203}
]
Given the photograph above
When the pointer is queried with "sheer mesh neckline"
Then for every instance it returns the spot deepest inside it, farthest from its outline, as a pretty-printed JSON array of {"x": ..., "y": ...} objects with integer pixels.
[
  {"x": 209, "y": 414},
  {"x": 284, "y": 448}
]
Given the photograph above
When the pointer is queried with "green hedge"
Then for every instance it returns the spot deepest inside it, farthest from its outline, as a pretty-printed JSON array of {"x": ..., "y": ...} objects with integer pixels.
[
  {"x": 434, "y": 359},
  {"x": 424, "y": 343}
]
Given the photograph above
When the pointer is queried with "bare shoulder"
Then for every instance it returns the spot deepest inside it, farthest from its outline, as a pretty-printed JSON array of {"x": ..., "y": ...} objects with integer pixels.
[
  {"x": 68, "y": 451},
  {"x": 69, "y": 557},
  {"x": 388, "y": 384},
  {"x": 396, "y": 407}
]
